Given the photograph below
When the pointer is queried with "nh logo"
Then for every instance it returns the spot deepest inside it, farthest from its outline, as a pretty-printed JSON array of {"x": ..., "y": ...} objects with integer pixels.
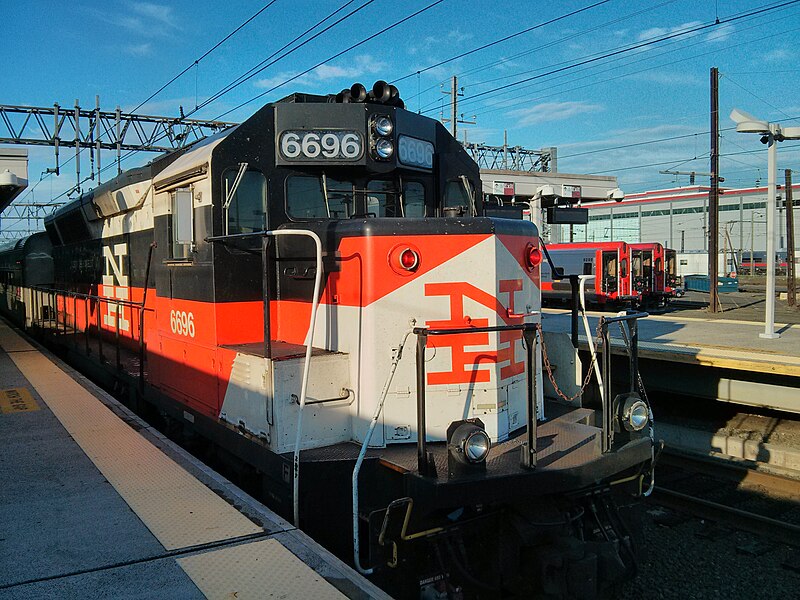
[{"x": 115, "y": 285}]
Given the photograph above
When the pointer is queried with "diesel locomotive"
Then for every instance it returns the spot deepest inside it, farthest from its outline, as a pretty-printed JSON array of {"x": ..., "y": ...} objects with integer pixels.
[{"x": 318, "y": 293}]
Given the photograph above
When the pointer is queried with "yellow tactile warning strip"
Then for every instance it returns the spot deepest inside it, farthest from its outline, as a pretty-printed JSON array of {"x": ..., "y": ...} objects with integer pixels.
[
  {"x": 177, "y": 508},
  {"x": 16, "y": 400},
  {"x": 262, "y": 569}
]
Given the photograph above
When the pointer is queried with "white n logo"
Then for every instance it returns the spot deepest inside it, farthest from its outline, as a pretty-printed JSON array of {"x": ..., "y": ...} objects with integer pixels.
[{"x": 115, "y": 285}]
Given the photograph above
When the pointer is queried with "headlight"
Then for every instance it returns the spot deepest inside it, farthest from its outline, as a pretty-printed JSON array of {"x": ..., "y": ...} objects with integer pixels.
[
  {"x": 384, "y": 148},
  {"x": 468, "y": 442},
  {"x": 476, "y": 446},
  {"x": 635, "y": 415},
  {"x": 384, "y": 126}
]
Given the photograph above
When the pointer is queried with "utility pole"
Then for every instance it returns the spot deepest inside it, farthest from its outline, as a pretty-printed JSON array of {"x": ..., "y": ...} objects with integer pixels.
[
  {"x": 790, "y": 285},
  {"x": 752, "y": 243},
  {"x": 454, "y": 120},
  {"x": 454, "y": 106},
  {"x": 713, "y": 196}
]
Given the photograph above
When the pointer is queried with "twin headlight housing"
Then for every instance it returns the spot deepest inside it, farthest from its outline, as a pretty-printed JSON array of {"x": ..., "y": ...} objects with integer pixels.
[{"x": 382, "y": 144}]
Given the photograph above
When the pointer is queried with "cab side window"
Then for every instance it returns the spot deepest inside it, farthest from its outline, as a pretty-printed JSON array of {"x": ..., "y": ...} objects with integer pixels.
[
  {"x": 182, "y": 223},
  {"x": 246, "y": 209}
]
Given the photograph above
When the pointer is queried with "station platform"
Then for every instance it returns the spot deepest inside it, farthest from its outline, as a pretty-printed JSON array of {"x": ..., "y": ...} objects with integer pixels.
[
  {"x": 95, "y": 503},
  {"x": 721, "y": 358},
  {"x": 723, "y": 343}
]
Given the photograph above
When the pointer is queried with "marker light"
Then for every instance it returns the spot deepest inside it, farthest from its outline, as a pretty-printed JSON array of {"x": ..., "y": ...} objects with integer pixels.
[
  {"x": 409, "y": 259},
  {"x": 384, "y": 148},
  {"x": 533, "y": 256},
  {"x": 384, "y": 126}
]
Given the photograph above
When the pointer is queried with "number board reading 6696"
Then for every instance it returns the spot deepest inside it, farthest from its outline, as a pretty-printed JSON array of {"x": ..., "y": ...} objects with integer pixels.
[{"x": 321, "y": 145}]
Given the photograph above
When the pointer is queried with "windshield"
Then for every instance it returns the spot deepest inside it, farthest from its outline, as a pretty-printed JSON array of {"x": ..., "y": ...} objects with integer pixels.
[
  {"x": 319, "y": 198},
  {"x": 309, "y": 197}
]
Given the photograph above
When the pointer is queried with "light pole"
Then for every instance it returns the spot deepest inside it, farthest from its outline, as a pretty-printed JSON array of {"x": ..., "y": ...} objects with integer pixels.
[{"x": 771, "y": 134}]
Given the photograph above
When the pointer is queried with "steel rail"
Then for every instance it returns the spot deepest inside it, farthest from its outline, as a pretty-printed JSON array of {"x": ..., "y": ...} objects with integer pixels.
[
  {"x": 748, "y": 474},
  {"x": 779, "y": 531},
  {"x": 748, "y": 479}
]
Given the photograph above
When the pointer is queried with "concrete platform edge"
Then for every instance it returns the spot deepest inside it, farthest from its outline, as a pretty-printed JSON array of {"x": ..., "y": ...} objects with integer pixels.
[
  {"x": 330, "y": 567},
  {"x": 713, "y": 443}
]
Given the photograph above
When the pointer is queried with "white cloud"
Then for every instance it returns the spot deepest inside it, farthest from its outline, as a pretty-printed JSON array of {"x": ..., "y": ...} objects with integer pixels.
[
  {"x": 667, "y": 78},
  {"x": 445, "y": 41},
  {"x": 457, "y": 36},
  {"x": 278, "y": 79},
  {"x": 777, "y": 55},
  {"x": 143, "y": 19},
  {"x": 139, "y": 49},
  {"x": 720, "y": 33},
  {"x": 360, "y": 66},
  {"x": 552, "y": 111},
  {"x": 162, "y": 14},
  {"x": 363, "y": 65},
  {"x": 654, "y": 32}
]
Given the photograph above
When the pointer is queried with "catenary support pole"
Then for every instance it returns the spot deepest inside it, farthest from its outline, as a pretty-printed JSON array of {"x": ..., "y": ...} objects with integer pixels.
[
  {"x": 713, "y": 197},
  {"x": 791, "y": 292}
]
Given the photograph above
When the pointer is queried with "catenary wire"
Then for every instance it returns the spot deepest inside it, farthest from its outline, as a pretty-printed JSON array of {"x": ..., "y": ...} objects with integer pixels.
[
  {"x": 206, "y": 53},
  {"x": 335, "y": 56},
  {"x": 502, "y": 40},
  {"x": 631, "y": 47},
  {"x": 268, "y": 62},
  {"x": 542, "y": 47}
]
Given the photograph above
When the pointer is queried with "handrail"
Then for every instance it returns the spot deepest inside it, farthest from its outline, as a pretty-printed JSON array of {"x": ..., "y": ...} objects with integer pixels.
[
  {"x": 425, "y": 464},
  {"x": 364, "y": 447},
  {"x": 631, "y": 319},
  {"x": 108, "y": 299},
  {"x": 589, "y": 338},
  {"x": 309, "y": 336},
  {"x": 118, "y": 302}
]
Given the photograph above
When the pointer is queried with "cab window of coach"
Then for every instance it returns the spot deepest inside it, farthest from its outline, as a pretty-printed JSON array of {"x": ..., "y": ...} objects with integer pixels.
[
  {"x": 306, "y": 198},
  {"x": 246, "y": 211}
]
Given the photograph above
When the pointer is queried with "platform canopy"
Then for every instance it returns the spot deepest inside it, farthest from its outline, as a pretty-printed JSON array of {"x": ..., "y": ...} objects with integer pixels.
[{"x": 13, "y": 174}]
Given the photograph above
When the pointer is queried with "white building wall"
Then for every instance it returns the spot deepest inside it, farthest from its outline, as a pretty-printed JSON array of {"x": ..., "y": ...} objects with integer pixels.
[{"x": 679, "y": 219}]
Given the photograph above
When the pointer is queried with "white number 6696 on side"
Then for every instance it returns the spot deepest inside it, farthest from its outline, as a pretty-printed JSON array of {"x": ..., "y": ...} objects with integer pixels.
[{"x": 181, "y": 322}]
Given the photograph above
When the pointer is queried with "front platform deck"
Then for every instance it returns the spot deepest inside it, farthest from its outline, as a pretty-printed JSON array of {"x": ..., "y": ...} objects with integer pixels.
[{"x": 569, "y": 456}]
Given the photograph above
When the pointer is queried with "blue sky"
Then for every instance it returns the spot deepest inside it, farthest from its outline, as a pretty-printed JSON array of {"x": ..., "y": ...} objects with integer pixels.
[{"x": 124, "y": 51}]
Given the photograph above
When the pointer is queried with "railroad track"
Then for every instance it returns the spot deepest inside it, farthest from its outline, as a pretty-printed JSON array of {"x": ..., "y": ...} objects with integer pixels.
[{"x": 739, "y": 483}]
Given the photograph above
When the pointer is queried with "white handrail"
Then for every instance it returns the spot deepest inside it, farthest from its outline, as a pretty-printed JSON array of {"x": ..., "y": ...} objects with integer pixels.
[
  {"x": 306, "y": 365},
  {"x": 589, "y": 338},
  {"x": 362, "y": 454}
]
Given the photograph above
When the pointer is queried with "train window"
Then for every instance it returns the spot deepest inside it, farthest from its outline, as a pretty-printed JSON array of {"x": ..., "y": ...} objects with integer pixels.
[
  {"x": 318, "y": 198},
  {"x": 456, "y": 196},
  {"x": 588, "y": 268},
  {"x": 182, "y": 223},
  {"x": 382, "y": 200},
  {"x": 247, "y": 209},
  {"x": 609, "y": 283},
  {"x": 413, "y": 199},
  {"x": 636, "y": 265}
]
